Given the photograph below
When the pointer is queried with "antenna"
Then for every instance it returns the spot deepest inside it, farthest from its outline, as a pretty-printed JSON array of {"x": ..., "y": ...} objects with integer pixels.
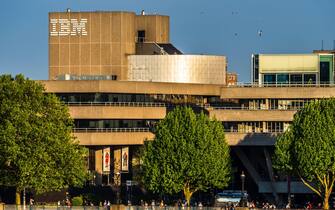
[{"x": 322, "y": 45}]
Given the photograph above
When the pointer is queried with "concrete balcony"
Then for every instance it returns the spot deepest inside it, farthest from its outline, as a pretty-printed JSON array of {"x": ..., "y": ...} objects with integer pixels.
[
  {"x": 137, "y": 136},
  {"x": 93, "y": 111},
  {"x": 278, "y": 92},
  {"x": 92, "y": 137},
  {"x": 231, "y": 115},
  {"x": 250, "y": 139}
]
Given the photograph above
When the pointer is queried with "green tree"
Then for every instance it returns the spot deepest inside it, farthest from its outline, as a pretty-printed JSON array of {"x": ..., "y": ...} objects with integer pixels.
[
  {"x": 189, "y": 154},
  {"x": 37, "y": 148},
  {"x": 307, "y": 148}
]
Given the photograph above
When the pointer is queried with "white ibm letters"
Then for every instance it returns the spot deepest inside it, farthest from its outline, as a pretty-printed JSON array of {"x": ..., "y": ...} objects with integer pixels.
[{"x": 67, "y": 27}]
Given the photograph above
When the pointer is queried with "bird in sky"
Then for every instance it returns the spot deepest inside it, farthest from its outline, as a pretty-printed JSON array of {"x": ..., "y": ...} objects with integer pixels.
[{"x": 260, "y": 32}]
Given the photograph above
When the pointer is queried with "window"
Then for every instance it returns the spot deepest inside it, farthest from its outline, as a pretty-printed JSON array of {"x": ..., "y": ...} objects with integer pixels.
[
  {"x": 324, "y": 73},
  {"x": 282, "y": 78},
  {"x": 296, "y": 78},
  {"x": 269, "y": 78},
  {"x": 141, "y": 36},
  {"x": 114, "y": 77},
  {"x": 309, "y": 79}
]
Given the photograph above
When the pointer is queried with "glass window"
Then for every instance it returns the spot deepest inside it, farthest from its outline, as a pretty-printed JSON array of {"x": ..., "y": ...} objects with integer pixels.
[
  {"x": 282, "y": 78},
  {"x": 324, "y": 72},
  {"x": 309, "y": 78},
  {"x": 296, "y": 78},
  {"x": 269, "y": 78}
]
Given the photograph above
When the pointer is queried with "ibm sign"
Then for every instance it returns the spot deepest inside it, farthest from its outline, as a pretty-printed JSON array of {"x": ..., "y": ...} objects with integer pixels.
[{"x": 67, "y": 27}]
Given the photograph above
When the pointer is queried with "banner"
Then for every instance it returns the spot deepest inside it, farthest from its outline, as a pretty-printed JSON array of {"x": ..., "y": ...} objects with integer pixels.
[
  {"x": 106, "y": 159},
  {"x": 125, "y": 158}
]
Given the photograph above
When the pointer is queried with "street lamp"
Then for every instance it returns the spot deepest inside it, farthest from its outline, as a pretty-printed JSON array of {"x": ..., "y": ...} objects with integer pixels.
[
  {"x": 243, "y": 199},
  {"x": 242, "y": 179}
]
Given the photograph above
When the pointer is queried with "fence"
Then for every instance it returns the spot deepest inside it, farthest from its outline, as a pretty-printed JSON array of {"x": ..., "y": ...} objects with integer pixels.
[{"x": 113, "y": 207}]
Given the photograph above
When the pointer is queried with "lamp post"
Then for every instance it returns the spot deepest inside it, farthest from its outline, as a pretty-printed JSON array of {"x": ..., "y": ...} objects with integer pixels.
[
  {"x": 243, "y": 199},
  {"x": 242, "y": 179}
]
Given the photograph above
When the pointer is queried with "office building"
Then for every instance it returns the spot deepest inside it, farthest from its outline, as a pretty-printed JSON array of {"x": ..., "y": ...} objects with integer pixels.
[{"x": 120, "y": 75}]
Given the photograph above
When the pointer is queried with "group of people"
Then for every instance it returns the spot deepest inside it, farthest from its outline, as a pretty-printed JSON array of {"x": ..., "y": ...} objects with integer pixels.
[{"x": 178, "y": 204}]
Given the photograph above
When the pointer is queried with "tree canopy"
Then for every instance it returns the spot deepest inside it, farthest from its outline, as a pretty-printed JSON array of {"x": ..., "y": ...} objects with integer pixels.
[
  {"x": 37, "y": 148},
  {"x": 307, "y": 148},
  {"x": 189, "y": 154}
]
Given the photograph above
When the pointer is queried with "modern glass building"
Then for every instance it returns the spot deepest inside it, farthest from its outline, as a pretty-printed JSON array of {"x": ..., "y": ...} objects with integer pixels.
[{"x": 316, "y": 68}]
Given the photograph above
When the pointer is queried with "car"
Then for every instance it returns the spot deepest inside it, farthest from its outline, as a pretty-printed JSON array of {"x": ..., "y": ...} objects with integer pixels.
[{"x": 227, "y": 198}]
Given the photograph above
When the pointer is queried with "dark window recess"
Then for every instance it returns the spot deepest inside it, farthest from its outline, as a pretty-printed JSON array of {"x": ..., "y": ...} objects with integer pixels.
[
  {"x": 309, "y": 78},
  {"x": 114, "y": 77},
  {"x": 269, "y": 78},
  {"x": 324, "y": 73},
  {"x": 282, "y": 78},
  {"x": 141, "y": 36},
  {"x": 296, "y": 78},
  {"x": 256, "y": 63}
]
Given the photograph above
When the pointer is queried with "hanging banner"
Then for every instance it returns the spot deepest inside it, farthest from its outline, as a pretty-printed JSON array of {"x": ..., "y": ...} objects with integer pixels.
[
  {"x": 125, "y": 159},
  {"x": 106, "y": 159}
]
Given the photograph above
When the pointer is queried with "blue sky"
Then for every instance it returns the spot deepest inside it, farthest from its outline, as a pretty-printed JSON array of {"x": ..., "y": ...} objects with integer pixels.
[{"x": 223, "y": 27}]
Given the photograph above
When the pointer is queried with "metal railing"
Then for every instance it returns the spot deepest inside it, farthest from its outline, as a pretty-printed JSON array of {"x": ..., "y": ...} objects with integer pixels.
[
  {"x": 111, "y": 130},
  {"x": 122, "y": 207},
  {"x": 254, "y": 132},
  {"x": 102, "y": 130},
  {"x": 242, "y": 84},
  {"x": 131, "y": 104},
  {"x": 112, "y": 207},
  {"x": 257, "y": 108}
]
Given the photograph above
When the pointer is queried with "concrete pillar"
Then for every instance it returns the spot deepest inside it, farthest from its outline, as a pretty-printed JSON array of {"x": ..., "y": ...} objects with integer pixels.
[{"x": 98, "y": 166}]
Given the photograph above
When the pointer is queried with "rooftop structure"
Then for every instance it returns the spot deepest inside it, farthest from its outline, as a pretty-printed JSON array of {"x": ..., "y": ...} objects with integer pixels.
[{"x": 123, "y": 46}]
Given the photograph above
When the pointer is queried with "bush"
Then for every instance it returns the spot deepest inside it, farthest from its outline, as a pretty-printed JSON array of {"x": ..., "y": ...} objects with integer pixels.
[{"x": 77, "y": 201}]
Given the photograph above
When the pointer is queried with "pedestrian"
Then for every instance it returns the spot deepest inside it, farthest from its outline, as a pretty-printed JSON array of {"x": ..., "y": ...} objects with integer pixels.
[
  {"x": 161, "y": 204},
  {"x": 108, "y": 205}
]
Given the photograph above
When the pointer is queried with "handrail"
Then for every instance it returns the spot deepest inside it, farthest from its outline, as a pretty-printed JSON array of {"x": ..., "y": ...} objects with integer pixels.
[
  {"x": 256, "y": 132},
  {"x": 87, "y": 130},
  {"x": 241, "y": 84},
  {"x": 106, "y": 130},
  {"x": 255, "y": 109},
  {"x": 134, "y": 104}
]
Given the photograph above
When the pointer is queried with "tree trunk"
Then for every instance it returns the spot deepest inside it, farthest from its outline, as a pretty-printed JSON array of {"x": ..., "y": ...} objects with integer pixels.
[
  {"x": 187, "y": 193},
  {"x": 326, "y": 201},
  {"x": 18, "y": 197}
]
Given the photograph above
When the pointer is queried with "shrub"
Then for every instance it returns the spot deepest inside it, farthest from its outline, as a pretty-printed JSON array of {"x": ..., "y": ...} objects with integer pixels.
[{"x": 77, "y": 201}]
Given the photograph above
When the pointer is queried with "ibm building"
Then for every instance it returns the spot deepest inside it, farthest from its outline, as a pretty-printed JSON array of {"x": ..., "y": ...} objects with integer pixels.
[{"x": 120, "y": 74}]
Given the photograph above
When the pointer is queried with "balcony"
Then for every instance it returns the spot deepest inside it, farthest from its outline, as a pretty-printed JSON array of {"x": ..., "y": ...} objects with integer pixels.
[
  {"x": 109, "y": 110},
  {"x": 231, "y": 114},
  {"x": 250, "y": 139},
  {"x": 278, "y": 91},
  {"x": 112, "y": 136},
  {"x": 137, "y": 136}
]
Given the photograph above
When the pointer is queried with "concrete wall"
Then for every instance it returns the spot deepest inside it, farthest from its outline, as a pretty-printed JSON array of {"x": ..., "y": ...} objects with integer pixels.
[
  {"x": 105, "y": 86},
  {"x": 277, "y": 92},
  {"x": 103, "y": 51},
  {"x": 138, "y": 138},
  {"x": 110, "y": 37},
  {"x": 156, "y": 27},
  {"x": 112, "y": 138},
  {"x": 251, "y": 115},
  {"x": 250, "y": 139},
  {"x": 116, "y": 112}
]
